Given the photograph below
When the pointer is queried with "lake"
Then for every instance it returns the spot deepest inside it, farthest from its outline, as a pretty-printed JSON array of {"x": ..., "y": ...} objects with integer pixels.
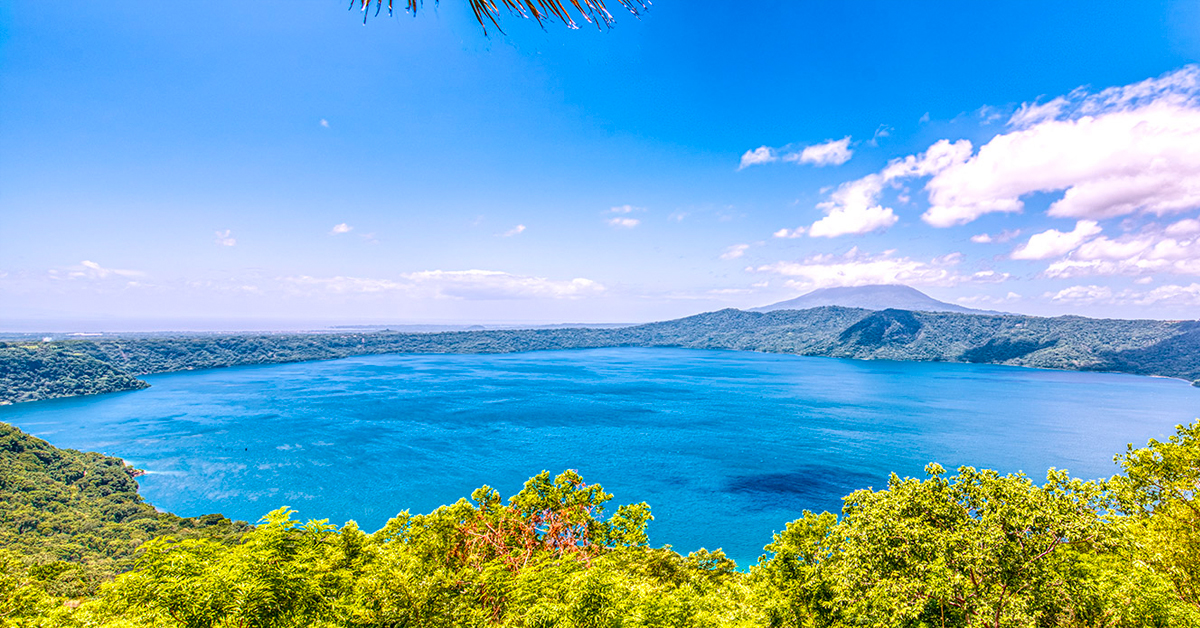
[{"x": 727, "y": 447}]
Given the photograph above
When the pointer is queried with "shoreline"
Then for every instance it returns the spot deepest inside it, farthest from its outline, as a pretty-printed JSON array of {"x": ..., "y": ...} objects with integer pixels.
[
  {"x": 147, "y": 385},
  {"x": 62, "y": 369}
]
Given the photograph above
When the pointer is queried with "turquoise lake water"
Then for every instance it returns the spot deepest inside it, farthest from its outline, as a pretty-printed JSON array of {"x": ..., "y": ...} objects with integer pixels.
[{"x": 725, "y": 446}]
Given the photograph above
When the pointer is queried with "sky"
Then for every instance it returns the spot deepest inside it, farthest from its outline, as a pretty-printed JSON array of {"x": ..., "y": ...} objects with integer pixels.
[{"x": 271, "y": 164}]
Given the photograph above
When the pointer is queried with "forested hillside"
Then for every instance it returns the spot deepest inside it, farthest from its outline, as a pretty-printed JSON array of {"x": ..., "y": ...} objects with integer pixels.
[
  {"x": 1146, "y": 347},
  {"x": 75, "y": 519},
  {"x": 969, "y": 549},
  {"x": 44, "y": 371}
]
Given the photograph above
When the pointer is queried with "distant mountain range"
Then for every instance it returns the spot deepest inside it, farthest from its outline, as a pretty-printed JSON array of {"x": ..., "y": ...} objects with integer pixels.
[
  {"x": 875, "y": 297},
  {"x": 31, "y": 370}
]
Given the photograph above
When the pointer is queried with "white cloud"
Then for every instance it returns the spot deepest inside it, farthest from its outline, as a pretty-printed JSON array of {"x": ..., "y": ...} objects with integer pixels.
[
  {"x": 342, "y": 285},
  {"x": 760, "y": 155},
  {"x": 1125, "y": 150},
  {"x": 677, "y": 216},
  {"x": 854, "y": 208},
  {"x": 1003, "y": 236},
  {"x": 1164, "y": 296},
  {"x": 989, "y": 276},
  {"x": 514, "y": 231},
  {"x": 1102, "y": 257},
  {"x": 851, "y": 220},
  {"x": 459, "y": 284},
  {"x": 1052, "y": 242},
  {"x": 1030, "y": 114},
  {"x": 88, "y": 269},
  {"x": 1121, "y": 248},
  {"x": 325, "y": 123},
  {"x": 225, "y": 238},
  {"x": 881, "y": 132},
  {"x": 735, "y": 251},
  {"x": 1171, "y": 250},
  {"x": 859, "y": 269},
  {"x": 1183, "y": 228},
  {"x": 1172, "y": 295},
  {"x": 789, "y": 233},
  {"x": 988, "y": 114},
  {"x": 490, "y": 284},
  {"x": 984, "y": 299},
  {"x": 1081, "y": 295},
  {"x": 623, "y": 220},
  {"x": 340, "y": 228},
  {"x": 940, "y": 156},
  {"x": 831, "y": 153}
]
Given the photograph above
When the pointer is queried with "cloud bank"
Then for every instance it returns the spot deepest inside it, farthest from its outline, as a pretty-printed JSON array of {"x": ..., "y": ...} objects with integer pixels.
[
  {"x": 88, "y": 269},
  {"x": 855, "y": 268},
  {"x": 1126, "y": 150},
  {"x": 1174, "y": 250},
  {"x": 1171, "y": 295},
  {"x": 453, "y": 284}
]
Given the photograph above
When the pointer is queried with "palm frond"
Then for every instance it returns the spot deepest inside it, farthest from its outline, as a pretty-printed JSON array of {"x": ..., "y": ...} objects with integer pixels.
[{"x": 543, "y": 11}]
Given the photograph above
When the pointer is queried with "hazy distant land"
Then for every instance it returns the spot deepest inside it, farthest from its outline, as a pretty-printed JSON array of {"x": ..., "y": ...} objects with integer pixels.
[{"x": 42, "y": 370}]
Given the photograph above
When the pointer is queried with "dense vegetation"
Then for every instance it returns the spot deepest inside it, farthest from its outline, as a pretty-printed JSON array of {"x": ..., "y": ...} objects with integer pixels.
[
  {"x": 45, "y": 371},
  {"x": 76, "y": 519},
  {"x": 1145, "y": 347},
  {"x": 972, "y": 549}
]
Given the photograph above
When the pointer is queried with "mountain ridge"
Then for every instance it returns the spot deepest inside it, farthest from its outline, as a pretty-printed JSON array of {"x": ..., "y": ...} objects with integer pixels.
[
  {"x": 871, "y": 297},
  {"x": 29, "y": 372}
]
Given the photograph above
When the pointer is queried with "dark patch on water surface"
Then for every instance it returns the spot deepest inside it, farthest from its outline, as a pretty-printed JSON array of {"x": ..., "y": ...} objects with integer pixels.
[{"x": 809, "y": 488}]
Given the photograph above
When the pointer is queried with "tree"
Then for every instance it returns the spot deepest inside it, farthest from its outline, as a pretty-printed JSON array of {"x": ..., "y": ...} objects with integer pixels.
[
  {"x": 543, "y": 11},
  {"x": 475, "y": 562},
  {"x": 1158, "y": 491},
  {"x": 972, "y": 550}
]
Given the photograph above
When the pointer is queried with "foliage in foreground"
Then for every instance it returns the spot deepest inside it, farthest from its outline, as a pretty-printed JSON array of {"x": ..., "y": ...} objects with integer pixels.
[{"x": 973, "y": 549}]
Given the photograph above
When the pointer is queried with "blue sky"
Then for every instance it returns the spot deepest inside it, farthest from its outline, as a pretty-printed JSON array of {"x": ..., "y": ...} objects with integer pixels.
[{"x": 259, "y": 164}]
